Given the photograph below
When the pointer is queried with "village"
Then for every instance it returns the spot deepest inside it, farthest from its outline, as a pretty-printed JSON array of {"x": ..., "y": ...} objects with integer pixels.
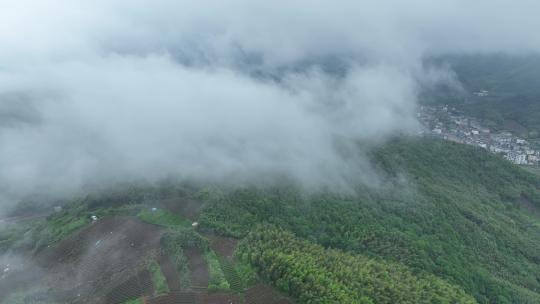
[{"x": 448, "y": 123}]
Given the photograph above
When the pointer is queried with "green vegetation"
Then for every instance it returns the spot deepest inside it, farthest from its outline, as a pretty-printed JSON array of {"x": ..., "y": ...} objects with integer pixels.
[
  {"x": 163, "y": 218},
  {"x": 183, "y": 237},
  {"x": 451, "y": 210},
  {"x": 11, "y": 235},
  {"x": 18, "y": 297},
  {"x": 41, "y": 233},
  {"x": 245, "y": 272},
  {"x": 313, "y": 274},
  {"x": 120, "y": 199},
  {"x": 35, "y": 295},
  {"x": 158, "y": 278},
  {"x": 439, "y": 208},
  {"x": 55, "y": 228},
  {"x": 533, "y": 170},
  {"x": 217, "y": 280},
  {"x": 231, "y": 275},
  {"x": 224, "y": 274},
  {"x": 135, "y": 301},
  {"x": 174, "y": 241}
]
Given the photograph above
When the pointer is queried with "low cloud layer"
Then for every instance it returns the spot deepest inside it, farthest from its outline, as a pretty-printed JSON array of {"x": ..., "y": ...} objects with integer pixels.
[{"x": 106, "y": 90}]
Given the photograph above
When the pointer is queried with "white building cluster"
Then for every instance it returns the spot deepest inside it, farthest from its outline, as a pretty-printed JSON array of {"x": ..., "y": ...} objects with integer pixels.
[{"x": 447, "y": 123}]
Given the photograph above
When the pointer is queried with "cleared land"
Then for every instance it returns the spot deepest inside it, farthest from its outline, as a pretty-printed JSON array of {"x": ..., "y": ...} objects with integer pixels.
[
  {"x": 108, "y": 262},
  {"x": 102, "y": 263},
  {"x": 263, "y": 294}
]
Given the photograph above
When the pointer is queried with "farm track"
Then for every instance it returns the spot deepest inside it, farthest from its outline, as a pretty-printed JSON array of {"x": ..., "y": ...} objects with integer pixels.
[
  {"x": 135, "y": 287},
  {"x": 223, "y": 246},
  {"x": 169, "y": 271},
  {"x": 198, "y": 269},
  {"x": 262, "y": 294},
  {"x": 175, "y": 297},
  {"x": 219, "y": 298}
]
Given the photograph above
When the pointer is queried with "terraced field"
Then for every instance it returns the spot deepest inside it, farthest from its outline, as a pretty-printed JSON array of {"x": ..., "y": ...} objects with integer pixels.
[
  {"x": 198, "y": 270},
  {"x": 231, "y": 275},
  {"x": 169, "y": 270},
  {"x": 102, "y": 263},
  {"x": 219, "y": 298},
  {"x": 135, "y": 287},
  {"x": 107, "y": 263},
  {"x": 223, "y": 246},
  {"x": 175, "y": 297}
]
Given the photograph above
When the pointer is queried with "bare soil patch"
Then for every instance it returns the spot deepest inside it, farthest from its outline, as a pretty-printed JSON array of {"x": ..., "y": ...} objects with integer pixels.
[
  {"x": 219, "y": 298},
  {"x": 198, "y": 269},
  {"x": 169, "y": 270},
  {"x": 90, "y": 265},
  {"x": 263, "y": 294},
  {"x": 223, "y": 246},
  {"x": 174, "y": 298},
  {"x": 105, "y": 263},
  {"x": 187, "y": 208},
  {"x": 135, "y": 287}
]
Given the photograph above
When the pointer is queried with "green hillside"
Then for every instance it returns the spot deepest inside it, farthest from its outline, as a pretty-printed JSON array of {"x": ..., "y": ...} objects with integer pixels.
[
  {"x": 448, "y": 209},
  {"x": 465, "y": 221},
  {"x": 317, "y": 275}
]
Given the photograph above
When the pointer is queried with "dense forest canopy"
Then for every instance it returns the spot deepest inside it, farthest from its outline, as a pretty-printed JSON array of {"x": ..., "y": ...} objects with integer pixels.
[
  {"x": 441, "y": 209},
  {"x": 317, "y": 275},
  {"x": 448, "y": 209}
]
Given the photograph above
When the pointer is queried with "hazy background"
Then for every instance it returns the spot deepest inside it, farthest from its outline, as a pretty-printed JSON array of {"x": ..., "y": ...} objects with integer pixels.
[{"x": 109, "y": 89}]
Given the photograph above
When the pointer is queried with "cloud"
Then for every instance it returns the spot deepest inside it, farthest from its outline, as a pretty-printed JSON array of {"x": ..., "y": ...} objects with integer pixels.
[{"x": 117, "y": 89}]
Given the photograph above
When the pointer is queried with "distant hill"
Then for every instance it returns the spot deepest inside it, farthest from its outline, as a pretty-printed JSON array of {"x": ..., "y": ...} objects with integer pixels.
[{"x": 512, "y": 83}]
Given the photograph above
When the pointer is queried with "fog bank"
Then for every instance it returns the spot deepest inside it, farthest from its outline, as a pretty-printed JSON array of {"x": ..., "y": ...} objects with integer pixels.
[{"x": 220, "y": 90}]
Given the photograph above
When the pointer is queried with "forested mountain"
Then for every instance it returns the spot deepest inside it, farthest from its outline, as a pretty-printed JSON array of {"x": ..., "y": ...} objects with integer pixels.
[
  {"x": 265, "y": 152},
  {"x": 446, "y": 223},
  {"x": 317, "y": 275},
  {"x": 447, "y": 209}
]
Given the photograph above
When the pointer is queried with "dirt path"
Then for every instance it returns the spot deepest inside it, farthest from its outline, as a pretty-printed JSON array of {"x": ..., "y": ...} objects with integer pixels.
[
  {"x": 262, "y": 294},
  {"x": 198, "y": 269},
  {"x": 219, "y": 298},
  {"x": 223, "y": 246},
  {"x": 169, "y": 270}
]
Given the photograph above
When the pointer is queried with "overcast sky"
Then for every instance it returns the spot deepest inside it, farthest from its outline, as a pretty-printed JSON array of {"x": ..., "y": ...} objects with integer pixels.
[{"x": 111, "y": 89}]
